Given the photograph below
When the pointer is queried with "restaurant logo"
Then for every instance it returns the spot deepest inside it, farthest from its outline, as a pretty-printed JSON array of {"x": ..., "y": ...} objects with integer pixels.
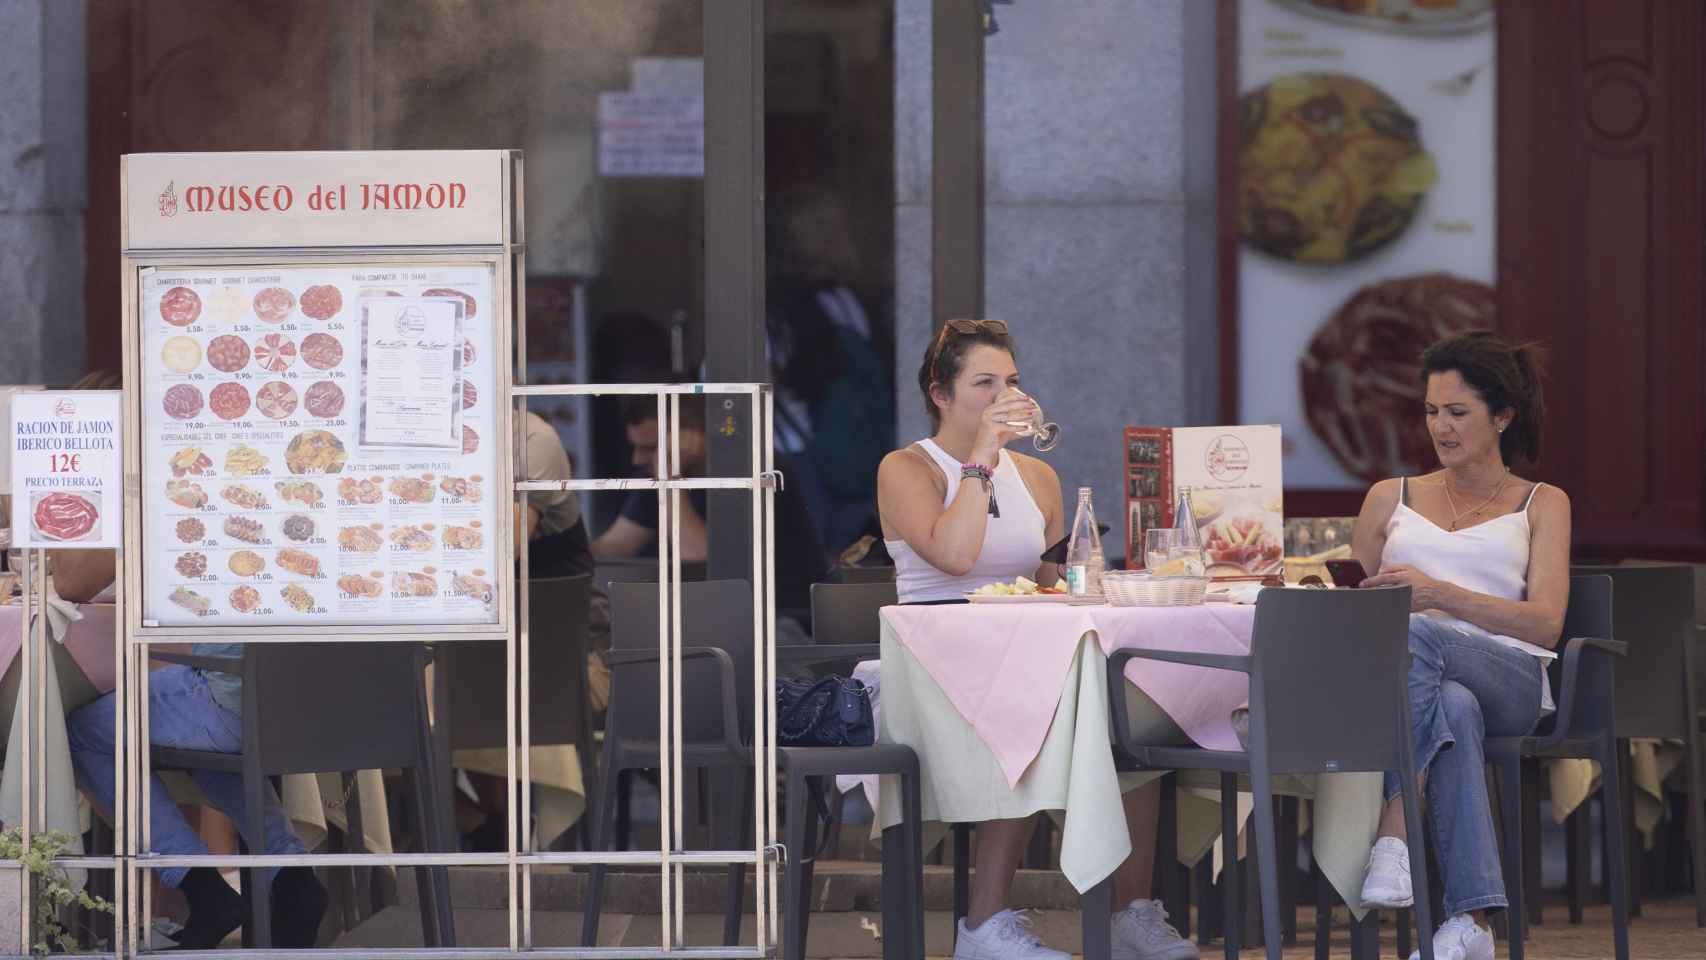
[
  {"x": 169, "y": 201},
  {"x": 1228, "y": 458},
  {"x": 411, "y": 322},
  {"x": 65, "y": 407}
]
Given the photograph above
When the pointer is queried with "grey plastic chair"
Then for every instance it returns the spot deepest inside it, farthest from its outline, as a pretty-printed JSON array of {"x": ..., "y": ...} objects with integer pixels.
[
  {"x": 377, "y": 689},
  {"x": 1328, "y": 694},
  {"x": 1584, "y": 728},
  {"x": 560, "y": 713},
  {"x": 1654, "y": 615},
  {"x": 717, "y": 711}
]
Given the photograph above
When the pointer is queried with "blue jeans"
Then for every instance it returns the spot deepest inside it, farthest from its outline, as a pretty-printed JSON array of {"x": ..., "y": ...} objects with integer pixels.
[
  {"x": 1465, "y": 687},
  {"x": 181, "y": 713}
]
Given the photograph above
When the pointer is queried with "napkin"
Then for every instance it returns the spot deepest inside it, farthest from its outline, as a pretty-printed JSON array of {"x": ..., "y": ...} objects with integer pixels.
[{"x": 61, "y": 613}]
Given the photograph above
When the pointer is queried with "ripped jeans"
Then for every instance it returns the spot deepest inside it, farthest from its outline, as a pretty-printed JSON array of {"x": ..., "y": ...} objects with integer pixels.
[{"x": 1464, "y": 687}]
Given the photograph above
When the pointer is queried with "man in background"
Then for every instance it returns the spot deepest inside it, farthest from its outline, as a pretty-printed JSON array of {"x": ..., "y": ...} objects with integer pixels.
[{"x": 800, "y": 559}]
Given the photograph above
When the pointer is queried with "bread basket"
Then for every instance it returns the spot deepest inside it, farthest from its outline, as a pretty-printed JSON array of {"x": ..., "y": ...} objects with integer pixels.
[{"x": 1126, "y": 588}]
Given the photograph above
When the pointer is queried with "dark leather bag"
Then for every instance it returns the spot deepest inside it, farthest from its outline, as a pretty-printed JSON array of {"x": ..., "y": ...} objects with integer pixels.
[{"x": 828, "y": 712}]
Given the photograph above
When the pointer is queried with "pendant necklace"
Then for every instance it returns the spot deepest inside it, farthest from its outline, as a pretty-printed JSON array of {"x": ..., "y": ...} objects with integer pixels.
[{"x": 1457, "y": 515}]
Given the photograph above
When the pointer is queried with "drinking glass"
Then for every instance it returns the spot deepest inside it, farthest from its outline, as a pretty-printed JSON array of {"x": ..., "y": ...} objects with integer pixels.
[
  {"x": 1044, "y": 435},
  {"x": 1159, "y": 545}
]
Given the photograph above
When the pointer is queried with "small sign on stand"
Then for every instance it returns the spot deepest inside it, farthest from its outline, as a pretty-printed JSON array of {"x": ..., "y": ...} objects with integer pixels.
[{"x": 66, "y": 470}]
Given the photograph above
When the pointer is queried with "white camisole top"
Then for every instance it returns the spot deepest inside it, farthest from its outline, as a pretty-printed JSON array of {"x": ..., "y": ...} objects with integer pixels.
[
  {"x": 1490, "y": 558},
  {"x": 1012, "y": 543}
]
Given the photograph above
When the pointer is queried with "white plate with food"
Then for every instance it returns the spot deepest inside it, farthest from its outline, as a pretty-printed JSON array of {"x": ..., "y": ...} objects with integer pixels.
[{"x": 1021, "y": 590}]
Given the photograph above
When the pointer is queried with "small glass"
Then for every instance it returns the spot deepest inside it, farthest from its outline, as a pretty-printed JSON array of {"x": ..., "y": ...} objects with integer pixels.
[
  {"x": 1044, "y": 435},
  {"x": 1168, "y": 552}
]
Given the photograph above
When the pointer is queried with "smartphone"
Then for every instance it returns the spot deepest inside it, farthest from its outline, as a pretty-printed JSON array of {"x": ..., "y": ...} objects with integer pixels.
[{"x": 1346, "y": 573}]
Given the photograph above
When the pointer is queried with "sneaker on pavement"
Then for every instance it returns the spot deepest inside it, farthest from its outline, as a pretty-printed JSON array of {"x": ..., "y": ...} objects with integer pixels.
[
  {"x": 1387, "y": 883},
  {"x": 1141, "y": 932},
  {"x": 1004, "y": 936},
  {"x": 1461, "y": 939}
]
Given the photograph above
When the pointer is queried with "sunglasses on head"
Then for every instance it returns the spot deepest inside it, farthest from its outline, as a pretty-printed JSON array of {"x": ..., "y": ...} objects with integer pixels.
[{"x": 963, "y": 327}]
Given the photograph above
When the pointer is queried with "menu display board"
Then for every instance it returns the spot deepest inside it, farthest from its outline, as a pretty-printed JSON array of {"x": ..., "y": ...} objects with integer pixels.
[
  {"x": 316, "y": 444},
  {"x": 1234, "y": 475}
]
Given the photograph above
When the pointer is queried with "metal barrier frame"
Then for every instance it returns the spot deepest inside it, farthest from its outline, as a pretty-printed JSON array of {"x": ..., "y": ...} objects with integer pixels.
[{"x": 133, "y": 867}]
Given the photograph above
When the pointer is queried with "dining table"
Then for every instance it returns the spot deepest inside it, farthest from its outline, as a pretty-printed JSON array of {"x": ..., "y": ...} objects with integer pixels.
[{"x": 1006, "y": 705}]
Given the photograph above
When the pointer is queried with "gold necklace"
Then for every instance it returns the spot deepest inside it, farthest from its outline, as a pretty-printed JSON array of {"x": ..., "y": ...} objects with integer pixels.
[{"x": 1457, "y": 515}]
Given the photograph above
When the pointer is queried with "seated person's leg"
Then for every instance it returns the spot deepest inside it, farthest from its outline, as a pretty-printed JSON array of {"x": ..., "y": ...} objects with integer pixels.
[{"x": 215, "y": 909}]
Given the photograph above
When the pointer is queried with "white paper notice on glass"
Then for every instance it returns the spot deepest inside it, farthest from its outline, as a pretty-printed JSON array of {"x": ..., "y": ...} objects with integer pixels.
[
  {"x": 411, "y": 364},
  {"x": 66, "y": 464}
]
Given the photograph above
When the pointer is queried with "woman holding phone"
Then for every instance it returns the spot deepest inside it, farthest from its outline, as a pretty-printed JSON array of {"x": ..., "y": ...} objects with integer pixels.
[
  {"x": 960, "y": 511},
  {"x": 1486, "y": 555}
]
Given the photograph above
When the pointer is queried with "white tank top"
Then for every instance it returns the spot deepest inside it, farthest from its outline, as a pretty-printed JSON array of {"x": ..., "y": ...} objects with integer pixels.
[
  {"x": 1012, "y": 543},
  {"x": 1490, "y": 558}
]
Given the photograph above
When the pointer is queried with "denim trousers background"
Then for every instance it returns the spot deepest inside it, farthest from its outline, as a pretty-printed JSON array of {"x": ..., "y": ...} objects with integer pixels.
[
  {"x": 1464, "y": 687},
  {"x": 181, "y": 713}
]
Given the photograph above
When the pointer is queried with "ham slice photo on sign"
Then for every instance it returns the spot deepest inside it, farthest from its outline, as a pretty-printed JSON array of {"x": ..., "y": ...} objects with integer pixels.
[
  {"x": 273, "y": 304},
  {"x": 182, "y": 402},
  {"x": 227, "y": 353},
  {"x": 229, "y": 401},
  {"x": 180, "y": 306},
  {"x": 276, "y": 400},
  {"x": 321, "y": 302},
  {"x": 64, "y": 516},
  {"x": 468, "y": 308},
  {"x": 324, "y": 400},
  {"x": 322, "y": 351},
  {"x": 275, "y": 352}
]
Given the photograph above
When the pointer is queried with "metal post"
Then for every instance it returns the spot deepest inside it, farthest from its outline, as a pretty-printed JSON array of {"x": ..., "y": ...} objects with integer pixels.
[{"x": 26, "y": 689}]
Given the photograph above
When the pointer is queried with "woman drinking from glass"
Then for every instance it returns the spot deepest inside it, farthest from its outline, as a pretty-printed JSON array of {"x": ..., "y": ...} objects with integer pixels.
[{"x": 960, "y": 511}]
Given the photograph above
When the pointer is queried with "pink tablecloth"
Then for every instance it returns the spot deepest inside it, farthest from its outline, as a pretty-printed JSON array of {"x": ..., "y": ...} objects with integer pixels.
[
  {"x": 90, "y": 641},
  {"x": 1003, "y": 666}
]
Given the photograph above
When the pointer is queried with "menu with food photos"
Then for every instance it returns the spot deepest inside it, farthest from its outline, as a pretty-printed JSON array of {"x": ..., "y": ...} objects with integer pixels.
[
  {"x": 1236, "y": 484},
  {"x": 312, "y": 444}
]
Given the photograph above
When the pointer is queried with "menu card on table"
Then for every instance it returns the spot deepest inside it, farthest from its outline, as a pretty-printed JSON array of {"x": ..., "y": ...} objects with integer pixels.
[{"x": 1237, "y": 492}]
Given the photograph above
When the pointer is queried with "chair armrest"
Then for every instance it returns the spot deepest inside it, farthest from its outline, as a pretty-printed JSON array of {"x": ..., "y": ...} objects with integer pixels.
[
  {"x": 725, "y": 673},
  {"x": 1119, "y": 718},
  {"x": 1214, "y": 661},
  {"x": 212, "y": 664},
  {"x": 808, "y": 654},
  {"x": 1576, "y": 649}
]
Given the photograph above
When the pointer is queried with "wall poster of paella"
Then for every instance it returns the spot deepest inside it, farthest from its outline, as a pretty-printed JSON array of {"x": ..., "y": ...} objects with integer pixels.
[
  {"x": 318, "y": 444},
  {"x": 1365, "y": 169}
]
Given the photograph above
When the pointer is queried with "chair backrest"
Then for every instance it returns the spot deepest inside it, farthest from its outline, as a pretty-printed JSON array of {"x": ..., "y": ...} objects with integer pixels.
[
  {"x": 323, "y": 707},
  {"x": 714, "y": 613},
  {"x": 1590, "y": 613},
  {"x": 1328, "y": 683},
  {"x": 1654, "y": 615},
  {"x": 556, "y": 651},
  {"x": 640, "y": 570},
  {"x": 874, "y": 574},
  {"x": 847, "y": 612}
]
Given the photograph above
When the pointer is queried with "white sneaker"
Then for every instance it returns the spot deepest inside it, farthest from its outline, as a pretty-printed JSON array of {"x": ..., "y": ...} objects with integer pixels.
[
  {"x": 1141, "y": 932},
  {"x": 1461, "y": 939},
  {"x": 1005, "y": 936},
  {"x": 1387, "y": 883}
]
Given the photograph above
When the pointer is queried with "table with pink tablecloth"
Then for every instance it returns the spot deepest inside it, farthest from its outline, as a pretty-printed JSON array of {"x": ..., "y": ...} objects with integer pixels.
[{"x": 1007, "y": 707}]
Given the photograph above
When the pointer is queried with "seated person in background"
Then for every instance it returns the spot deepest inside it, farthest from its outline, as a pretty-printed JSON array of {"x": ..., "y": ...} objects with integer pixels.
[
  {"x": 196, "y": 710},
  {"x": 1486, "y": 555},
  {"x": 959, "y": 511},
  {"x": 800, "y": 560}
]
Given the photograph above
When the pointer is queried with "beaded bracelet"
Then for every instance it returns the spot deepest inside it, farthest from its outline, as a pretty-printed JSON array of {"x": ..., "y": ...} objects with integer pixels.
[{"x": 976, "y": 471}]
